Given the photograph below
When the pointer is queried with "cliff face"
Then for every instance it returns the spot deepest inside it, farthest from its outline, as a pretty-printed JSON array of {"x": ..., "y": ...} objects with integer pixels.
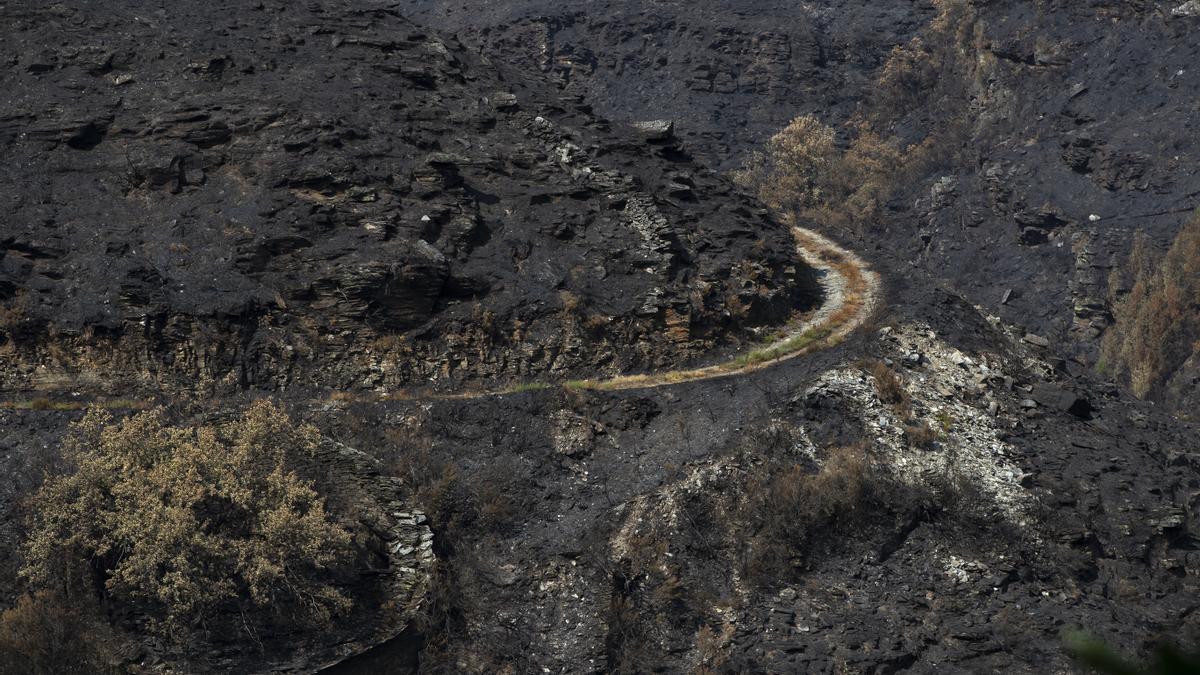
[{"x": 332, "y": 195}]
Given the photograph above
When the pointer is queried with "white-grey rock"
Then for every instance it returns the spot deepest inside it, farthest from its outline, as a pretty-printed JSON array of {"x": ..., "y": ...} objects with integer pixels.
[
  {"x": 1036, "y": 340},
  {"x": 655, "y": 130},
  {"x": 1190, "y": 8}
]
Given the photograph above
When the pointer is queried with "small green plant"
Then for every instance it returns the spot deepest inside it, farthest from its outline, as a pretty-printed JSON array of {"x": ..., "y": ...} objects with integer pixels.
[{"x": 1099, "y": 657}]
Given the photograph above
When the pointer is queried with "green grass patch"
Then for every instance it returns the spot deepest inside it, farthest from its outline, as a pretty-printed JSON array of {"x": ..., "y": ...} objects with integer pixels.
[
  {"x": 779, "y": 349},
  {"x": 528, "y": 386}
]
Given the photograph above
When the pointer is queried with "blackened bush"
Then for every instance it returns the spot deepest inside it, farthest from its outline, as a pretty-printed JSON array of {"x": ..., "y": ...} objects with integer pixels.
[
  {"x": 45, "y": 634},
  {"x": 790, "y": 507}
]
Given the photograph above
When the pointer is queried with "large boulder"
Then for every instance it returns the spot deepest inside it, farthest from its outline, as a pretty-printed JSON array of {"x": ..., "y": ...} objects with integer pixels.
[{"x": 1063, "y": 400}]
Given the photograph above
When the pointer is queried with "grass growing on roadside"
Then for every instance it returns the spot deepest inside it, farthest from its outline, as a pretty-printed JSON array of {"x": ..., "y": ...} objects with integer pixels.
[
  {"x": 779, "y": 349},
  {"x": 43, "y": 403},
  {"x": 528, "y": 386},
  {"x": 828, "y": 333}
]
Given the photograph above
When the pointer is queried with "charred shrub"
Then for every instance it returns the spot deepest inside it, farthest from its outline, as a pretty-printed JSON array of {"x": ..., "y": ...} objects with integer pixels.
[
  {"x": 796, "y": 512},
  {"x": 790, "y": 507},
  {"x": 46, "y": 634}
]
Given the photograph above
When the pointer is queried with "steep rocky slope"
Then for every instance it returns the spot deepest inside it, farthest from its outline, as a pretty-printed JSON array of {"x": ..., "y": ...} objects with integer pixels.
[
  {"x": 953, "y": 488},
  {"x": 231, "y": 195},
  {"x": 622, "y": 532},
  {"x": 589, "y": 531},
  {"x": 732, "y": 73},
  {"x": 1074, "y": 123},
  {"x": 1062, "y": 128}
]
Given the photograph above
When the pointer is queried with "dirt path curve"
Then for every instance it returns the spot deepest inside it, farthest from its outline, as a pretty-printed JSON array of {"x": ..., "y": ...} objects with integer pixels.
[{"x": 851, "y": 291}]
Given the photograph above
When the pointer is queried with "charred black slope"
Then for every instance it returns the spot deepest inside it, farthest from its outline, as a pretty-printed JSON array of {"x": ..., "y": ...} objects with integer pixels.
[
  {"x": 230, "y": 194},
  {"x": 601, "y": 528},
  {"x": 1063, "y": 124},
  {"x": 1073, "y": 138},
  {"x": 732, "y": 72}
]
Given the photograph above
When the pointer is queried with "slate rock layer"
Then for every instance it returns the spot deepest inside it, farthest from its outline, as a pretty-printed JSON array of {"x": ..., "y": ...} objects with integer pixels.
[{"x": 229, "y": 195}]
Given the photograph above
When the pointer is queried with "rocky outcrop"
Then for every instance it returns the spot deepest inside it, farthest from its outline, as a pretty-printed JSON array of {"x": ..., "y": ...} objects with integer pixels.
[
  {"x": 1089, "y": 287},
  {"x": 403, "y": 544},
  {"x": 1190, "y": 8},
  {"x": 332, "y": 195}
]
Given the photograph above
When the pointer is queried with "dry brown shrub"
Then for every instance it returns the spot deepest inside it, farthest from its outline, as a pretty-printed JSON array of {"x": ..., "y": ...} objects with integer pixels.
[
  {"x": 867, "y": 174},
  {"x": 890, "y": 387},
  {"x": 802, "y": 173},
  {"x": 13, "y": 312},
  {"x": 908, "y": 71},
  {"x": 735, "y": 306},
  {"x": 789, "y": 176},
  {"x": 713, "y": 647},
  {"x": 497, "y": 505},
  {"x": 190, "y": 523},
  {"x": 922, "y": 71},
  {"x": 1157, "y": 323},
  {"x": 393, "y": 342},
  {"x": 596, "y": 322},
  {"x": 921, "y": 435},
  {"x": 570, "y": 302}
]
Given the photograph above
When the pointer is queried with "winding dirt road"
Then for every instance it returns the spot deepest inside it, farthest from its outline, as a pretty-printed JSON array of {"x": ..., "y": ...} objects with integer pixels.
[{"x": 851, "y": 292}]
